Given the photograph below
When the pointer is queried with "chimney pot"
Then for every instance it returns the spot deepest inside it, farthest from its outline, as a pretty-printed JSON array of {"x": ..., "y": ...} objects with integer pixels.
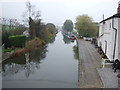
[{"x": 118, "y": 9}]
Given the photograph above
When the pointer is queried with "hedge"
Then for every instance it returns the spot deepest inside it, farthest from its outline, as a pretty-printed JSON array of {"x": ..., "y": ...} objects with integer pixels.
[{"x": 17, "y": 40}]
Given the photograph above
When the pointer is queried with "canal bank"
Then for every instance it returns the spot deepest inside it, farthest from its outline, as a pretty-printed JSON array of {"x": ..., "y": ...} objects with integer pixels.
[{"x": 90, "y": 60}]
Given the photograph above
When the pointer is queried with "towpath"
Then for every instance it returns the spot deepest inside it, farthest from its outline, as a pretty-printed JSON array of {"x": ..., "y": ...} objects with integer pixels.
[{"x": 90, "y": 60}]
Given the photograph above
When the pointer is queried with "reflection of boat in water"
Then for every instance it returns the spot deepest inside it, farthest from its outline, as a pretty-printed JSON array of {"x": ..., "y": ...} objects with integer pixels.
[
  {"x": 72, "y": 41},
  {"x": 72, "y": 37}
]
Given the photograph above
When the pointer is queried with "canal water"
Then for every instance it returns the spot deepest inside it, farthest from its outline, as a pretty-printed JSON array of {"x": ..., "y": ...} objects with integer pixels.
[{"x": 54, "y": 66}]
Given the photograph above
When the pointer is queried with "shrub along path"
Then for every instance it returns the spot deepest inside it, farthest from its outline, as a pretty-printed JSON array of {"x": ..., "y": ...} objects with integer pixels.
[{"x": 90, "y": 60}]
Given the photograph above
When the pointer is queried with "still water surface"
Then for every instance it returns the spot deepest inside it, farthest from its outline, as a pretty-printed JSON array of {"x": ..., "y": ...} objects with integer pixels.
[{"x": 53, "y": 67}]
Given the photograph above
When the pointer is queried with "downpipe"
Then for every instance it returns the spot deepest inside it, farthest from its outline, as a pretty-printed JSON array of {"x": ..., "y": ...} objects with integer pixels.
[
  {"x": 105, "y": 47},
  {"x": 115, "y": 38}
]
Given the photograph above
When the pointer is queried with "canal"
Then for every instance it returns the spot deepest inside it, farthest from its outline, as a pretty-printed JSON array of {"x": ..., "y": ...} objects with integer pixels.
[{"x": 55, "y": 66}]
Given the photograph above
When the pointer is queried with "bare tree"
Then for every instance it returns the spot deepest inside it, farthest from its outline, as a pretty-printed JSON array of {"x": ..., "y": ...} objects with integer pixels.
[{"x": 32, "y": 12}]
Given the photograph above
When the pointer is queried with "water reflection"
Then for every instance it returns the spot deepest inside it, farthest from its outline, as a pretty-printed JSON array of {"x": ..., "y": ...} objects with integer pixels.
[
  {"x": 76, "y": 52},
  {"x": 67, "y": 40},
  {"x": 38, "y": 55},
  {"x": 27, "y": 63},
  {"x": 54, "y": 69},
  {"x": 52, "y": 40}
]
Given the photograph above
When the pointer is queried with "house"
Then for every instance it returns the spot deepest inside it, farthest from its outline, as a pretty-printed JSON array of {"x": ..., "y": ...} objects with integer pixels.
[
  {"x": 26, "y": 33},
  {"x": 109, "y": 36}
]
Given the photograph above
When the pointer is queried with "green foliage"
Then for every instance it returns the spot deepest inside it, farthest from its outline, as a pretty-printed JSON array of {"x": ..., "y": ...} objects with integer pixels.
[
  {"x": 5, "y": 39},
  {"x": 8, "y": 50},
  {"x": 50, "y": 38},
  {"x": 51, "y": 28},
  {"x": 9, "y": 32},
  {"x": 85, "y": 26},
  {"x": 68, "y": 25},
  {"x": 17, "y": 40}
]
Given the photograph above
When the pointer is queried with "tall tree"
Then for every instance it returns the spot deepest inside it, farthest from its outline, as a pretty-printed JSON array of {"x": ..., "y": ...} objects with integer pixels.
[
  {"x": 31, "y": 12},
  {"x": 32, "y": 19},
  {"x": 51, "y": 28},
  {"x": 68, "y": 25},
  {"x": 36, "y": 28},
  {"x": 85, "y": 26}
]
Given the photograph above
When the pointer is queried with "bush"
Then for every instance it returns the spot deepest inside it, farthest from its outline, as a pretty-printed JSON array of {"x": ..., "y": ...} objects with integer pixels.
[
  {"x": 8, "y": 50},
  {"x": 34, "y": 44},
  {"x": 8, "y": 30},
  {"x": 5, "y": 40},
  {"x": 76, "y": 52},
  {"x": 19, "y": 52},
  {"x": 17, "y": 40}
]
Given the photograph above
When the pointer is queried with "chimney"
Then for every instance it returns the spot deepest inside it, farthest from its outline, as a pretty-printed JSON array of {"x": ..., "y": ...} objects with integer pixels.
[{"x": 118, "y": 9}]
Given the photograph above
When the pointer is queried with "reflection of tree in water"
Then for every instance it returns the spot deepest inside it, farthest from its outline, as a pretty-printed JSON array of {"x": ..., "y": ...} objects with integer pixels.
[
  {"x": 66, "y": 39},
  {"x": 76, "y": 52},
  {"x": 39, "y": 54},
  {"x": 52, "y": 40},
  {"x": 14, "y": 65},
  {"x": 28, "y": 62},
  {"x": 30, "y": 66},
  {"x": 33, "y": 60}
]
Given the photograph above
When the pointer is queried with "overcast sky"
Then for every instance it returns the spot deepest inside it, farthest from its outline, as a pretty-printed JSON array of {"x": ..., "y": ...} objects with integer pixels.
[{"x": 57, "y": 11}]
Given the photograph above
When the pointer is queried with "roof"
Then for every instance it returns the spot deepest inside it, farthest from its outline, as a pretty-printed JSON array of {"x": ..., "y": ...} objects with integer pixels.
[{"x": 115, "y": 15}]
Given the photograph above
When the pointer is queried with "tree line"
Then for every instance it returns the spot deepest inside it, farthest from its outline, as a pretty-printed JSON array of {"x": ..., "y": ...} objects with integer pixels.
[{"x": 84, "y": 25}]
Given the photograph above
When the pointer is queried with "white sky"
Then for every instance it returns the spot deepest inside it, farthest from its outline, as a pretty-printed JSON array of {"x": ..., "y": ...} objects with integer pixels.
[{"x": 57, "y": 11}]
